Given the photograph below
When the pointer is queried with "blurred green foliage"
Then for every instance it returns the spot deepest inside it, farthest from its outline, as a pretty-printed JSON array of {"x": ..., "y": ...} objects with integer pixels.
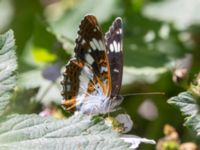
[{"x": 154, "y": 48}]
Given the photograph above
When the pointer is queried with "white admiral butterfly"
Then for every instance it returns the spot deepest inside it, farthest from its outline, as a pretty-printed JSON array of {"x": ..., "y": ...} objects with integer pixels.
[{"x": 93, "y": 76}]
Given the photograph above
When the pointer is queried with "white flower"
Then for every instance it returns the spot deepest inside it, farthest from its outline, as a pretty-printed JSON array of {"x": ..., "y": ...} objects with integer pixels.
[{"x": 135, "y": 140}]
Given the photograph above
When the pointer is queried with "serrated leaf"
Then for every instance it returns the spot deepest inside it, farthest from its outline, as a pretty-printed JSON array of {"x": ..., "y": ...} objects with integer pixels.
[
  {"x": 194, "y": 122},
  {"x": 185, "y": 102},
  {"x": 28, "y": 132},
  {"x": 8, "y": 65}
]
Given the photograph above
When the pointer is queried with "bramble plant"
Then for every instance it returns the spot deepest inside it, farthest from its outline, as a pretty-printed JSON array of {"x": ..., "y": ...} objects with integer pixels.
[
  {"x": 37, "y": 132},
  {"x": 161, "y": 42}
]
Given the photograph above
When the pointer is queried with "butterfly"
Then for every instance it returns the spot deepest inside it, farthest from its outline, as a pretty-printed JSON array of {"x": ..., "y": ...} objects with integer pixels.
[{"x": 92, "y": 77}]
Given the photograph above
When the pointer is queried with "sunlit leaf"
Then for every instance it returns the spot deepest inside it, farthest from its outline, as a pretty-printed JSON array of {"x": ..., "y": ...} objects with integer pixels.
[
  {"x": 44, "y": 133},
  {"x": 41, "y": 47},
  {"x": 25, "y": 15},
  {"x": 150, "y": 47},
  {"x": 67, "y": 25},
  {"x": 186, "y": 102},
  {"x": 143, "y": 74},
  {"x": 8, "y": 66},
  {"x": 42, "y": 55},
  {"x": 180, "y": 12},
  {"x": 6, "y": 14},
  {"x": 194, "y": 122}
]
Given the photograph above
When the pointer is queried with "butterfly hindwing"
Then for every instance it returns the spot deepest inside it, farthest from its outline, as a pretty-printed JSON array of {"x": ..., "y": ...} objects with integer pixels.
[
  {"x": 79, "y": 81},
  {"x": 114, "y": 46},
  {"x": 70, "y": 83}
]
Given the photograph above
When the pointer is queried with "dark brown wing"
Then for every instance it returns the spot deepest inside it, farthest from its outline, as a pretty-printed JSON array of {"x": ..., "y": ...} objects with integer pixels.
[
  {"x": 70, "y": 83},
  {"x": 114, "y": 46},
  {"x": 88, "y": 72}
]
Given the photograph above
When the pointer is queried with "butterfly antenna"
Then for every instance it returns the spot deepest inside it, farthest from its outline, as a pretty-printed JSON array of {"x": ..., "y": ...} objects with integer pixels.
[{"x": 150, "y": 93}]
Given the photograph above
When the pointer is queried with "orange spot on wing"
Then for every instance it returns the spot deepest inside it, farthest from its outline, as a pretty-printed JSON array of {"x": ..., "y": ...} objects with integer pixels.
[{"x": 69, "y": 102}]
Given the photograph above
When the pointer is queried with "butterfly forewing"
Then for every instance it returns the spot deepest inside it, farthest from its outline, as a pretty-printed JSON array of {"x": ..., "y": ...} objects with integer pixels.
[
  {"x": 90, "y": 47},
  {"x": 88, "y": 72},
  {"x": 114, "y": 48}
]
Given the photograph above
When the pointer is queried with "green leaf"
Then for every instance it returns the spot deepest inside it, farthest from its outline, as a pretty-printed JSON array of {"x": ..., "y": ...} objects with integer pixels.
[
  {"x": 67, "y": 25},
  {"x": 194, "y": 122},
  {"x": 146, "y": 41},
  {"x": 44, "y": 133},
  {"x": 8, "y": 66},
  {"x": 181, "y": 12},
  {"x": 186, "y": 103},
  {"x": 38, "y": 49},
  {"x": 24, "y": 98},
  {"x": 48, "y": 91},
  {"x": 7, "y": 12}
]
